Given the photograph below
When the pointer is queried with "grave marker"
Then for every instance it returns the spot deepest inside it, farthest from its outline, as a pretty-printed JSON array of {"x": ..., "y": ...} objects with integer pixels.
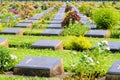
[
  {"x": 14, "y": 31},
  {"x": 4, "y": 42},
  {"x": 24, "y": 25},
  {"x": 54, "y": 32},
  {"x": 97, "y": 33},
  {"x": 114, "y": 72},
  {"x": 114, "y": 46},
  {"x": 40, "y": 66},
  {"x": 48, "y": 44},
  {"x": 55, "y": 26}
]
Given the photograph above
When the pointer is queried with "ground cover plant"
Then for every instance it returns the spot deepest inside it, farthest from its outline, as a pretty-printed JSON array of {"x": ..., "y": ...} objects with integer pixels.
[{"x": 83, "y": 57}]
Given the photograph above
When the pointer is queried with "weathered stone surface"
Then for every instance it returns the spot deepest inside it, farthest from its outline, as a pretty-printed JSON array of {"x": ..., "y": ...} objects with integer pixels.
[
  {"x": 48, "y": 44},
  {"x": 37, "y": 17},
  {"x": 53, "y": 32},
  {"x": 114, "y": 46},
  {"x": 55, "y": 26},
  {"x": 56, "y": 22},
  {"x": 114, "y": 72},
  {"x": 14, "y": 31},
  {"x": 93, "y": 26},
  {"x": 4, "y": 42},
  {"x": 24, "y": 25},
  {"x": 29, "y": 21},
  {"x": 40, "y": 66},
  {"x": 97, "y": 33}
]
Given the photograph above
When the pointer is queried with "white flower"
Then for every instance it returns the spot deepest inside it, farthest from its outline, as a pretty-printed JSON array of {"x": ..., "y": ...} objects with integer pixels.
[
  {"x": 106, "y": 48},
  {"x": 73, "y": 65},
  {"x": 13, "y": 56},
  {"x": 98, "y": 44},
  {"x": 97, "y": 62},
  {"x": 90, "y": 59},
  {"x": 74, "y": 52},
  {"x": 104, "y": 42},
  {"x": 85, "y": 56},
  {"x": 6, "y": 63}
]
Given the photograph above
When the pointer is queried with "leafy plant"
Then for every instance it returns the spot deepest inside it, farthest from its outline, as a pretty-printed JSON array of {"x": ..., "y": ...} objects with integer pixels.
[
  {"x": 78, "y": 43},
  {"x": 7, "y": 60},
  {"x": 76, "y": 29},
  {"x": 106, "y": 18},
  {"x": 71, "y": 16},
  {"x": 115, "y": 33}
]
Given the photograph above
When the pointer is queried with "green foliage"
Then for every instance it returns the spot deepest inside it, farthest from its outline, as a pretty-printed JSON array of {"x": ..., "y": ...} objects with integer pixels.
[
  {"x": 86, "y": 9},
  {"x": 78, "y": 43},
  {"x": 106, "y": 18},
  {"x": 115, "y": 33},
  {"x": 6, "y": 60},
  {"x": 76, "y": 30}
]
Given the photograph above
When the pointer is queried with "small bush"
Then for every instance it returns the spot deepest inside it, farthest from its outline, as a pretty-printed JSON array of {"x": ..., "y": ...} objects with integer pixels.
[
  {"x": 105, "y": 18},
  {"x": 115, "y": 33},
  {"x": 86, "y": 8},
  {"x": 76, "y": 30},
  {"x": 6, "y": 60},
  {"x": 78, "y": 43}
]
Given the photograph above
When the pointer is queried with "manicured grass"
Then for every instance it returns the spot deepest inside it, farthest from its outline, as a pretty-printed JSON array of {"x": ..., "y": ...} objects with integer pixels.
[
  {"x": 68, "y": 57},
  {"x": 2, "y": 77},
  {"x": 27, "y": 41}
]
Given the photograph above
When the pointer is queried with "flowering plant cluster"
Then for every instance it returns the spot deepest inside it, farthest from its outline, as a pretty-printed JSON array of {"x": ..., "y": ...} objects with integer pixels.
[
  {"x": 101, "y": 46},
  {"x": 7, "y": 60}
]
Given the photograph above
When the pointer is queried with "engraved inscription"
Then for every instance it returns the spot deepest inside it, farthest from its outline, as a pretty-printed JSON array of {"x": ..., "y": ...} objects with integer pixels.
[
  {"x": 29, "y": 60},
  {"x": 118, "y": 67}
]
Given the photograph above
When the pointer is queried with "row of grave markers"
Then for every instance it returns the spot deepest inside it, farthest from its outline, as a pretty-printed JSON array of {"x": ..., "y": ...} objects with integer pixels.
[
  {"x": 25, "y": 24},
  {"x": 55, "y": 26},
  {"x": 39, "y": 66},
  {"x": 114, "y": 46},
  {"x": 48, "y": 67},
  {"x": 114, "y": 71}
]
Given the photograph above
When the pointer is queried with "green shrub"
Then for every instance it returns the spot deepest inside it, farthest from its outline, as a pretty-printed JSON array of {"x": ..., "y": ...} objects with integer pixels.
[
  {"x": 115, "y": 33},
  {"x": 76, "y": 30},
  {"x": 78, "y": 43},
  {"x": 6, "y": 59},
  {"x": 106, "y": 18},
  {"x": 86, "y": 8}
]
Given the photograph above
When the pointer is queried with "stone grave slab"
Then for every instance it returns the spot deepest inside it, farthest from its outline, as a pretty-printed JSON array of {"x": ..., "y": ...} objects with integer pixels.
[
  {"x": 97, "y": 33},
  {"x": 93, "y": 26},
  {"x": 48, "y": 44},
  {"x": 13, "y": 31},
  {"x": 4, "y": 42},
  {"x": 114, "y": 71},
  {"x": 36, "y": 17},
  {"x": 55, "y": 26},
  {"x": 39, "y": 66},
  {"x": 52, "y": 32},
  {"x": 114, "y": 46},
  {"x": 24, "y": 25},
  {"x": 56, "y": 22},
  {"x": 29, "y": 21}
]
